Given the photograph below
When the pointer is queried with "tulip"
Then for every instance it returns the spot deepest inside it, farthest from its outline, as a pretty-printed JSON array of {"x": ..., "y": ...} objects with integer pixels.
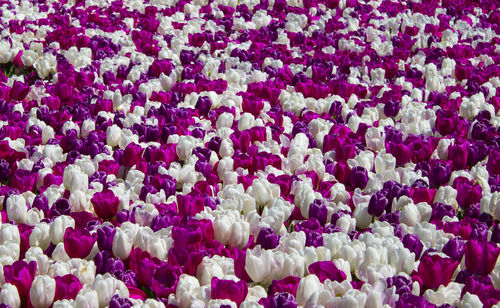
[
  {"x": 10, "y": 296},
  {"x": 326, "y": 270},
  {"x": 435, "y": 271},
  {"x": 78, "y": 242},
  {"x": 105, "y": 204},
  {"x": 42, "y": 291},
  {"x": 481, "y": 257},
  {"x": 235, "y": 291},
  {"x": 21, "y": 275}
]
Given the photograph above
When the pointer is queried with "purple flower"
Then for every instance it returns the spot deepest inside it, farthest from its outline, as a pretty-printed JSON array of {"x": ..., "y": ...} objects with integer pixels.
[
  {"x": 481, "y": 257},
  {"x": 434, "y": 271},
  {"x": 119, "y": 302},
  {"x": 267, "y": 239},
  {"x": 78, "y": 242},
  {"x": 67, "y": 287},
  {"x": 203, "y": 105},
  {"x": 23, "y": 180},
  {"x": 289, "y": 284},
  {"x": 468, "y": 194},
  {"x": 19, "y": 91},
  {"x": 131, "y": 155},
  {"x": 327, "y": 270},
  {"x": 279, "y": 300},
  {"x": 413, "y": 243},
  {"x": 165, "y": 279},
  {"x": 454, "y": 249},
  {"x": 359, "y": 177},
  {"x": 377, "y": 204},
  {"x": 21, "y": 274},
  {"x": 105, "y": 237},
  {"x": 105, "y": 204},
  {"x": 229, "y": 289}
]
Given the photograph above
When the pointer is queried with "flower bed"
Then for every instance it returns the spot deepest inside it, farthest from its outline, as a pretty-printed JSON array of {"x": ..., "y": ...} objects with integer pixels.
[{"x": 222, "y": 153}]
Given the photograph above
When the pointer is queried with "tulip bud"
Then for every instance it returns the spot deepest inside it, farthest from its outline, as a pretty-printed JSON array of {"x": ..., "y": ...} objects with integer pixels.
[
  {"x": 16, "y": 208},
  {"x": 58, "y": 228},
  {"x": 10, "y": 296},
  {"x": 42, "y": 291},
  {"x": 122, "y": 244},
  {"x": 87, "y": 299}
]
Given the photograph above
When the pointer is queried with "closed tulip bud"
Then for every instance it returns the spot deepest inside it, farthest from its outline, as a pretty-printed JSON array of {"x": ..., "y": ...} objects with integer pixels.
[
  {"x": 10, "y": 296},
  {"x": 42, "y": 291},
  {"x": 122, "y": 244}
]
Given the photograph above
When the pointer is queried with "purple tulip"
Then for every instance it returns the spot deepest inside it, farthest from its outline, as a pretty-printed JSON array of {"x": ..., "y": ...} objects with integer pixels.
[
  {"x": 454, "y": 249},
  {"x": 21, "y": 275},
  {"x": 289, "y": 284},
  {"x": 78, "y": 242},
  {"x": 435, "y": 271},
  {"x": 105, "y": 237},
  {"x": 19, "y": 91},
  {"x": 378, "y": 203},
  {"x": 481, "y": 257},
  {"x": 131, "y": 155},
  {"x": 327, "y": 270},
  {"x": 105, "y": 204},
  {"x": 413, "y": 243},
  {"x": 119, "y": 302},
  {"x": 318, "y": 210},
  {"x": 23, "y": 180},
  {"x": 229, "y": 289},
  {"x": 67, "y": 287},
  {"x": 267, "y": 239}
]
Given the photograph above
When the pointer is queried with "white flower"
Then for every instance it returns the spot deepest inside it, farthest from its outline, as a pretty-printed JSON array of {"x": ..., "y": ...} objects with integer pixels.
[
  {"x": 9, "y": 295},
  {"x": 84, "y": 270},
  {"x": 309, "y": 286},
  {"x": 40, "y": 236},
  {"x": 87, "y": 299},
  {"x": 214, "y": 267},
  {"x": 185, "y": 292},
  {"x": 469, "y": 301},
  {"x": 58, "y": 228},
  {"x": 122, "y": 244},
  {"x": 17, "y": 208},
  {"x": 106, "y": 286},
  {"x": 449, "y": 294},
  {"x": 263, "y": 191},
  {"x": 79, "y": 201},
  {"x": 185, "y": 147},
  {"x": 231, "y": 228},
  {"x": 410, "y": 215},
  {"x": 59, "y": 253},
  {"x": 113, "y": 135},
  {"x": 75, "y": 179},
  {"x": 42, "y": 291},
  {"x": 65, "y": 303},
  {"x": 258, "y": 264}
]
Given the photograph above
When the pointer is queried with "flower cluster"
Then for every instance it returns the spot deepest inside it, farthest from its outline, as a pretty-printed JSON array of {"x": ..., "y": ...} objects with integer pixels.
[{"x": 253, "y": 153}]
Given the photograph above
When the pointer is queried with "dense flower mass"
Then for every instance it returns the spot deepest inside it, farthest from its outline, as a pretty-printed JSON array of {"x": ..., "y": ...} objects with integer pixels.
[{"x": 251, "y": 153}]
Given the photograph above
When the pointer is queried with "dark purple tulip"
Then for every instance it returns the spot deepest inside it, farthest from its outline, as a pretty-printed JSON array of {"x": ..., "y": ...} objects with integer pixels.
[
  {"x": 279, "y": 300},
  {"x": 403, "y": 285},
  {"x": 4, "y": 170},
  {"x": 359, "y": 177},
  {"x": 439, "y": 175},
  {"x": 203, "y": 105},
  {"x": 105, "y": 237},
  {"x": 454, "y": 249},
  {"x": 267, "y": 239},
  {"x": 319, "y": 211},
  {"x": 413, "y": 243},
  {"x": 119, "y": 302},
  {"x": 60, "y": 207},
  {"x": 377, "y": 204},
  {"x": 409, "y": 300}
]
